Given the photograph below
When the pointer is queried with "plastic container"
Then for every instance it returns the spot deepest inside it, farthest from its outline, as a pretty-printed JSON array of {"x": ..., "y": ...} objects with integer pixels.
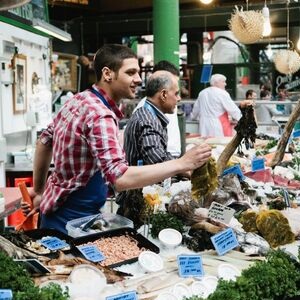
[
  {"x": 115, "y": 221},
  {"x": 228, "y": 272},
  {"x": 181, "y": 291},
  {"x": 150, "y": 261},
  {"x": 199, "y": 289},
  {"x": 170, "y": 237}
]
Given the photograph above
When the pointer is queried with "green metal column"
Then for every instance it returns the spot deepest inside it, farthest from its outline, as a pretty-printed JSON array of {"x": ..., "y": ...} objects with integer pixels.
[
  {"x": 166, "y": 43},
  {"x": 166, "y": 30}
]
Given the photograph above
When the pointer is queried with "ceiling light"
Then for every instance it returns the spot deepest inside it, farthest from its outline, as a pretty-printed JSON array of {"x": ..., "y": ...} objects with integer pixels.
[
  {"x": 267, "y": 24},
  {"x": 206, "y": 1},
  {"x": 51, "y": 30}
]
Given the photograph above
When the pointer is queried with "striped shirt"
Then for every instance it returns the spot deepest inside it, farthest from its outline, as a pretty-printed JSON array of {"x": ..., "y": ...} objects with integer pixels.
[
  {"x": 146, "y": 139},
  {"x": 84, "y": 137},
  {"x": 145, "y": 136}
]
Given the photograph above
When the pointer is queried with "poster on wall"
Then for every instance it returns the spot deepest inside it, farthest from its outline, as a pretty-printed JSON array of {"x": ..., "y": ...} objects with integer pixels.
[
  {"x": 64, "y": 72},
  {"x": 19, "y": 84}
]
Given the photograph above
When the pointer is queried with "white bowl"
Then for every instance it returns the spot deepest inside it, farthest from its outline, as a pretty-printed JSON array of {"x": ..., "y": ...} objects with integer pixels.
[
  {"x": 210, "y": 282},
  {"x": 170, "y": 237},
  {"x": 199, "y": 289},
  {"x": 181, "y": 290},
  {"x": 150, "y": 261},
  {"x": 228, "y": 272}
]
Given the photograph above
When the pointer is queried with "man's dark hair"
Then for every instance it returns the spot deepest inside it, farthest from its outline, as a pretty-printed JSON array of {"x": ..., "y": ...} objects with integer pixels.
[
  {"x": 111, "y": 56},
  {"x": 249, "y": 93},
  {"x": 165, "y": 65},
  {"x": 264, "y": 93}
]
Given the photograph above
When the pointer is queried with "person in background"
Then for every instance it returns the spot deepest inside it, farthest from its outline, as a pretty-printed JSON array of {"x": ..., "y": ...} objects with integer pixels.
[
  {"x": 264, "y": 111},
  {"x": 87, "y": 156},
  {"x": 84, "y": 72},
  {"x": 174, "y": 143},
  {"x": 251, "y": 95},
  {"x": 145, "y": 136},
  {"x": 213, "y": 108},
  {"x": 282, "y": 95}
]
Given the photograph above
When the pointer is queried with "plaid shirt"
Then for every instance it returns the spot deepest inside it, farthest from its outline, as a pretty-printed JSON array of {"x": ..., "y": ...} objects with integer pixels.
[{"x": 84, "y": 137}]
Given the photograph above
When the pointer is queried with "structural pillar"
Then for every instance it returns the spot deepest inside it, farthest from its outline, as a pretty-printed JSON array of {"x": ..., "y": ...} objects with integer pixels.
[{"x": 166, "y": 30}]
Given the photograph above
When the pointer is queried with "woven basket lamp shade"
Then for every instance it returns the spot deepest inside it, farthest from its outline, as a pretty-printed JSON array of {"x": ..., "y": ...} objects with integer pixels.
[
  {"x": 287, "y": 61},
  {"x": 247, "y": 26}
]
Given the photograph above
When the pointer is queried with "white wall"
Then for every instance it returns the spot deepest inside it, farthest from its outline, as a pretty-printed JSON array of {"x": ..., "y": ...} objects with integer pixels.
[{"x": 33, "y": 47}]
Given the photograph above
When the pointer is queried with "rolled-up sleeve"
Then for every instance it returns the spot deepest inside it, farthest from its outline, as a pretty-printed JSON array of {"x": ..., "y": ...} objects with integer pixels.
[
  {"x": 47, "y": 135},
  {"x": 106, "y": 148}
]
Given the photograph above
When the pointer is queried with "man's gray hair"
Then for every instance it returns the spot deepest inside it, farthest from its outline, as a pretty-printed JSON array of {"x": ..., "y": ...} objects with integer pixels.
[
  {"x": 217, "y": 78},
  {"x": 158, "y": 81}
]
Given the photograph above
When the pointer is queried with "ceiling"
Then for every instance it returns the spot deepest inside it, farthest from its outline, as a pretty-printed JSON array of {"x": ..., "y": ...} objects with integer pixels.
[{"x": 108, "y": 20}]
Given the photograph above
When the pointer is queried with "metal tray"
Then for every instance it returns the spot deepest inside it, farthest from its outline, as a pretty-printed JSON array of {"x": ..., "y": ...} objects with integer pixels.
[
  {"x": 142, "y": 242},
  {"x": 36, "y": 234}
]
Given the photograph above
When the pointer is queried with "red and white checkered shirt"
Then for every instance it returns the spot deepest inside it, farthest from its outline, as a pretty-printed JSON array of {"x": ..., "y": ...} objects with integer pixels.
[{"x": 84, "y": 137}]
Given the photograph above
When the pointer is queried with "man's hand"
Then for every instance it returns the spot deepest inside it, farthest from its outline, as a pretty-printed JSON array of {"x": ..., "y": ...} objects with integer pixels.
[
  {"x": 196, "y": 157},
  {"x": 36, "y": 200}
]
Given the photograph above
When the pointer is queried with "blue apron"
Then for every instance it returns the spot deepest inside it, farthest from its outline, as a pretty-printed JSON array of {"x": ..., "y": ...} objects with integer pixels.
[{"x": 83, "y": 202}]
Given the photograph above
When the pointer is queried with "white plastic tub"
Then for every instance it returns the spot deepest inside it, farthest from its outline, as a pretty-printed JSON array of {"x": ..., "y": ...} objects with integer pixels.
[{"x": 115, "y": 221}]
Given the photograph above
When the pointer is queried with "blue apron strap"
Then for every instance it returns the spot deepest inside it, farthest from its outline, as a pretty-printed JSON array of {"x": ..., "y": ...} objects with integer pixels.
[{"x": 100, "y": 97}]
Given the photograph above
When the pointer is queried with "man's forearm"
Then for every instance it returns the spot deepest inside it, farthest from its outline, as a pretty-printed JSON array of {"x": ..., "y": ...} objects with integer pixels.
[{"x": 42, "y": 160}]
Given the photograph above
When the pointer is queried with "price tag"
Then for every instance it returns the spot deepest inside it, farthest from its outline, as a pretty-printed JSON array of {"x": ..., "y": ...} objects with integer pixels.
[
  {"x": 296, "y": 134},
  {"x": 224, "y": 241},
  {"x": 220, "y": 212},
  {"x": 236, "y": 169},
  {"x": 6, "y": 294},
  {"x": 91, "y": 252},
  {"x": 53, "y": 243},
  {"x": 190, "y": 265},
  {"x": 124, "y": 296},
  {"x": 257, "y": 164}
]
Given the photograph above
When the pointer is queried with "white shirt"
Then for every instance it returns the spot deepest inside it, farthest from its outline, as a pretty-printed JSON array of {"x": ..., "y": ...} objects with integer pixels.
[
  {"x": 211, "y": 104},
  {"x": 174, "y": 142}
]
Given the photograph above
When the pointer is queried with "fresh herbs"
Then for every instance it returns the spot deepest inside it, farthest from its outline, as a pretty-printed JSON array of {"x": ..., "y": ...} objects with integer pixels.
[
  {"x": 162, "y": 220},
  {"x": 277, "y": 278},
  {"x": 14, "y": 277}
]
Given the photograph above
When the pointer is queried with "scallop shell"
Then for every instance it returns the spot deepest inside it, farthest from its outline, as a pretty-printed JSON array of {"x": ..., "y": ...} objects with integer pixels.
[
  {"x": 287, "y": 61},
  {"x": 247, "y": 26}
]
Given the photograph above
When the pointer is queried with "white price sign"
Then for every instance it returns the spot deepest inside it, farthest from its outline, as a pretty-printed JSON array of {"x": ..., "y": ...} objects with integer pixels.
[{"x": 220, "y": 212}]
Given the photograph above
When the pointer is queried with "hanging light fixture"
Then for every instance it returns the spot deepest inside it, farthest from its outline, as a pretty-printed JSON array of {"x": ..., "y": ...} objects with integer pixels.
[
  {"x": 267, "y": 24},
  {"x": 206, "y": 1}
]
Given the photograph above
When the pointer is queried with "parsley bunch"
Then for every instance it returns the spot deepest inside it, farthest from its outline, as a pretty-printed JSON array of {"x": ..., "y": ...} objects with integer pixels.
[{"x": 277, "y": 278}]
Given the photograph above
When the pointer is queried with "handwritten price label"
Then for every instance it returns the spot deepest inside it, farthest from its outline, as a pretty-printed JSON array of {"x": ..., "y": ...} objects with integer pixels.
[
  {"x": 296, "y": 134},
  {"x": 224, "y": 241},
  {"x": 220, "y": 212},
  {"x": 190, "y": 265},
  {"x": 236, "y": 169},
  {"x": 91, "y": 252},
  {"x": 53, "y": 243},
  {"x": 6, "y": 294},
  {"x": 257, "y": 164},
  {"x": 124, "y": 296}
]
